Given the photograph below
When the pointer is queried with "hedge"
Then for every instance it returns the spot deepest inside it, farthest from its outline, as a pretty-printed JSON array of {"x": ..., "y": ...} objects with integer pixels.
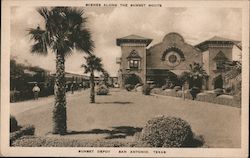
[
  {"x": 25, "y": 130},
  {"x": 32, "y": 141},
  {"x": 208, "y": 96}
]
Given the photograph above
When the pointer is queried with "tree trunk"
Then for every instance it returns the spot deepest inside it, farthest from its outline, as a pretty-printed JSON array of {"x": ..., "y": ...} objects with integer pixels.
[
  {"x": 92, "y": 88},
  {"x": 59, "y": 111}
]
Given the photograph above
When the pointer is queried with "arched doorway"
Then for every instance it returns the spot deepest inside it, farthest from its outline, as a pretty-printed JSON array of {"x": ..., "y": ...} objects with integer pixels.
[
  {"x": 132, "y": 79},
  {"x": 218, "y": 82}
]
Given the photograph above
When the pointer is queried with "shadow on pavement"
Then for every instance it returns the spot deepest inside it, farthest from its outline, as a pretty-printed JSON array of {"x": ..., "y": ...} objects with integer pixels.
[
  {"x": 115, "y": 132},
  {"x": 115, "y": 102}
]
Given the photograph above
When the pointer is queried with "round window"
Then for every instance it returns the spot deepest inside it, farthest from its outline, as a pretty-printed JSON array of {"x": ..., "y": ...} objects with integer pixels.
[{"x": 172, "y": 58}]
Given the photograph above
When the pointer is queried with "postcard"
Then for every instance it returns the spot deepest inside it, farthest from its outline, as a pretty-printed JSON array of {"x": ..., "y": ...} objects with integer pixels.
[{"x": 110, "y": 78}]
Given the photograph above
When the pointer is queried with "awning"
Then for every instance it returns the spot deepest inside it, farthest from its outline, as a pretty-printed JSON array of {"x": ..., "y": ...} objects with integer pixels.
[
  {"x": 159, "y": 72},
  {"x": 179, "y": 72},
  {"x": 165, "y": 72}
]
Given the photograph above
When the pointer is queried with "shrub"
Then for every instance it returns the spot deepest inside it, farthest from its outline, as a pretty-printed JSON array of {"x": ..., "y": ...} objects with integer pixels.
[
  {"x": 152, "y": 85},
  {"x": 13, "y": 124},
  {"x": 228, "y": 90},
  {"x": 156, "y": 91},
  {"x": 218, "y": 91},
  {"x": 177, "y": 88},
  {"x": 102, "y": 90},
  {"x": 26, "y": 130},
  {"x": 129, "y": 87},
  {"x": 146, "y": 89},
  {"x": 166, "y": 132},
  {"x": 138, "y": 85},
  {"x": 165, "y": 87}
]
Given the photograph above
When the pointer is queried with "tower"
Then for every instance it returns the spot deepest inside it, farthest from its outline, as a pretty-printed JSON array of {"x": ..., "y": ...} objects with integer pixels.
[
  {"x": 215, "y": 53},
  {"x": 133, "y": 59}
]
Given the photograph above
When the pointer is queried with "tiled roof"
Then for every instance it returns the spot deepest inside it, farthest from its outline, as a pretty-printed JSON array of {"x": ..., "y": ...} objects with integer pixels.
[
  {"x": 135, "y": 37},
  {"x": 218, "y": 38}
]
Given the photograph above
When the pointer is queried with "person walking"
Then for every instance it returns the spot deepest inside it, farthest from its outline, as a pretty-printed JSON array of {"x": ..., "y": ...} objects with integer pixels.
[
  {"x": 72, "y": 88},
  {"x": 36, "y": 91},
  {"x": 55, "y": 89}
]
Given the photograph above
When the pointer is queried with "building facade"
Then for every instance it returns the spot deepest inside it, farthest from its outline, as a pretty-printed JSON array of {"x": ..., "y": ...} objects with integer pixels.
[{"x": 172, "y": 56}]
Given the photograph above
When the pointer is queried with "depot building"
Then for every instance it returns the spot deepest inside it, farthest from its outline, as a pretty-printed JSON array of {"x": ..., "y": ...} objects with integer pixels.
[{"x": 172, "y": 56}]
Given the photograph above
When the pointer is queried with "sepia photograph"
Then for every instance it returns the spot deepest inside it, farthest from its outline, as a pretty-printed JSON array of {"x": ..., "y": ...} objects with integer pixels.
[{"x": 125, "y": 78}]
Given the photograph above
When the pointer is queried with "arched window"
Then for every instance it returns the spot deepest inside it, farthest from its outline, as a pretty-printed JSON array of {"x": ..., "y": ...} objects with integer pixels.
[{"x": 220, "y": 60}]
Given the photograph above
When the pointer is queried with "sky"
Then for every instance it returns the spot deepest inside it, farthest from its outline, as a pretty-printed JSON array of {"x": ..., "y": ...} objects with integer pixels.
[{"x": 109, "y": 23}]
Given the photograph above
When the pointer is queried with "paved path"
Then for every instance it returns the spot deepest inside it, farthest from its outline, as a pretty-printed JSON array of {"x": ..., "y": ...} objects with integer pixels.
[
  {"x": 219, "y": 124},
  {"x": 42, "y": 102}
]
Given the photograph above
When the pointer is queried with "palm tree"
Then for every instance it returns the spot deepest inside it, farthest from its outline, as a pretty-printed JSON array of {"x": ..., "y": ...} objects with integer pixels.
[
  {"x": 195, "y": 76},
  {"x": 64, "y": 31},
  {"x": 93, "y": 64},
  {"x": 105, "y": 78}
]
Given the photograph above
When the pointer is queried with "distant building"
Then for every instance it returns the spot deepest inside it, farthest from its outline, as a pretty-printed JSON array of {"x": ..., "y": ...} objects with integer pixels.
[{"x": 173, "y": 56}]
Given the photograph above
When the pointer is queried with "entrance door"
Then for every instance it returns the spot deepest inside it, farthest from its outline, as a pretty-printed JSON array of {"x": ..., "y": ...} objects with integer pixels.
[{"x": 218, "y": 83}]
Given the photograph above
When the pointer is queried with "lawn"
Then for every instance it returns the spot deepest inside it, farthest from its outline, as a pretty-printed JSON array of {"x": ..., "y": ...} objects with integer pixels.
[{"x": 121, "y": 114}]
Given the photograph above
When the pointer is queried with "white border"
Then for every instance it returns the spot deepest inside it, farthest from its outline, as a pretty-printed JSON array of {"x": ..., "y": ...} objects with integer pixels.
[{"x": 173, "y": 152}]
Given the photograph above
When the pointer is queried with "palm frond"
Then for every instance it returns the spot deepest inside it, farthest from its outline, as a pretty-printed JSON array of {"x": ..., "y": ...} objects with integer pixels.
[
  {"x": 44, "y": 12},
  {"x": 76, "y": 18},
  {"x": 83, "y": 41},
  {"x": 40, "y": 38},
  {"x": 38, "y": 48},
  {"x": 86, "y": 68}
]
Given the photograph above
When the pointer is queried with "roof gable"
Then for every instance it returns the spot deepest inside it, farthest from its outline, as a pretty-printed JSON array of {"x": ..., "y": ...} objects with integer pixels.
[
  {"x": 134, "y": 54},
  {"x": 218, "y": 38},
  {"x": 220, "y": 56}
]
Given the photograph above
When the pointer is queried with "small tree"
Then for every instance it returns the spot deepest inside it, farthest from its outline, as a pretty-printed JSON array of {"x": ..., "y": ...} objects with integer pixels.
[
  {"x": 93, "y": 64},
  {"x": 106, "y": 77}
]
